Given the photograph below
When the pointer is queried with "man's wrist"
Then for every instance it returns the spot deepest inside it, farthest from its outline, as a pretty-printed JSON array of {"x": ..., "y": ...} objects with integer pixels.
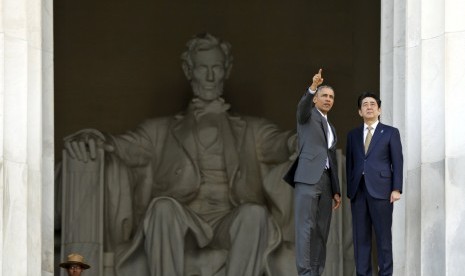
[{"x": 312, "y": 90}]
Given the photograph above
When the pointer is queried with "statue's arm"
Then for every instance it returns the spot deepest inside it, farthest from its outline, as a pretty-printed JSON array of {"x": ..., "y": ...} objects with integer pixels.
[
  {"x": 132, "y": 147},
  {"x": 273, "y": 145}
]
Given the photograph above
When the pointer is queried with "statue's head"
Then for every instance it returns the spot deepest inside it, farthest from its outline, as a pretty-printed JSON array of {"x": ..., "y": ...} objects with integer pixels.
[{"x": 207, "y": 64}]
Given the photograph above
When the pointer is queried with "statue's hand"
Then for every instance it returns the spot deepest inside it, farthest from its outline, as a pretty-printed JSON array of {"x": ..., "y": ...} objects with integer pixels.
[{"x": 83, "y": 144}]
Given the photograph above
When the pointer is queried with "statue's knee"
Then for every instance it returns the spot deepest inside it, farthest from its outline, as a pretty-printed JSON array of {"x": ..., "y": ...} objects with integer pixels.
[
  {"x": 253, "y": 213},
  {"x": 163, "y": 208}
]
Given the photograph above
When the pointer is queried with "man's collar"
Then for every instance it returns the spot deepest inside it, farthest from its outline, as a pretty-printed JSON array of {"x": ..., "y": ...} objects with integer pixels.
[
  {"x": 374, "y": 125},
  {"x": 322, "y": 114},
  {"x": 199, "y": 107}
]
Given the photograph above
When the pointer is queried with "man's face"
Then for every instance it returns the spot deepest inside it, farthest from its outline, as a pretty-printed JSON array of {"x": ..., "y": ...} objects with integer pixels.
[
  {"x": 324, "y": 99},
  {"x": 369, "y": 110},
  {"x": 74, "y": 270},
  {"x": 208, "y": 74}
]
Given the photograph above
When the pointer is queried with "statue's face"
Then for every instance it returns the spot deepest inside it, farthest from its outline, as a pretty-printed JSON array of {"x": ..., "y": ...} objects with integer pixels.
[{"x": 208, "y": 74}]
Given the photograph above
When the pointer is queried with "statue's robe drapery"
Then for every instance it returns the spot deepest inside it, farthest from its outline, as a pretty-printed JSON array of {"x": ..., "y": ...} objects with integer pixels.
[{"x": 158, "y": 160}]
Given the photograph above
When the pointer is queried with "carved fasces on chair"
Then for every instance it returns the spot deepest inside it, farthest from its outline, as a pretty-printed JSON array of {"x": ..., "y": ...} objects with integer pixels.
[
  {"x": 97, "y": 200},
  {"x": 82, "y": 210}
]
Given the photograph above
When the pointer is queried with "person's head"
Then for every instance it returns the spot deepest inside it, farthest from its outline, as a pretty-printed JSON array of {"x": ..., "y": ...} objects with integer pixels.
[
  {"x": 74, "y": 265},
  {"x": 324, "y": 98},
  {"x": 207, "y": 64},
  {"x": 369, "y": 107}
]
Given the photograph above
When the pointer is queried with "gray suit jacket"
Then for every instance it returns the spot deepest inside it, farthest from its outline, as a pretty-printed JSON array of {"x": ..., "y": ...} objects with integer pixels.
[{"x": 313, "y": 147}]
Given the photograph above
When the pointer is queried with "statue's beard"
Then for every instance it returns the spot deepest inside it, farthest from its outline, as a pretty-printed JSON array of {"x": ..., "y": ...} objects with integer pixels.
[{"x": 209, "y": 93}]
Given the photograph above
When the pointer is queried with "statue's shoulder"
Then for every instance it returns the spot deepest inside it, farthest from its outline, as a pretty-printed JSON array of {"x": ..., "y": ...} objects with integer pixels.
[
  {"x": 252, "y": 123},
  {"x": 234, "y": 116},
  {"x": 157, "y": 122},
  {"x": 257, "y": 121}
]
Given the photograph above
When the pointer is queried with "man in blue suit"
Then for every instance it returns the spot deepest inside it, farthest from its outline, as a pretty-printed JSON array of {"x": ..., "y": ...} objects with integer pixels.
[
  {"x": 374, "y": 182},
  {"x": 314, "y": 177}
]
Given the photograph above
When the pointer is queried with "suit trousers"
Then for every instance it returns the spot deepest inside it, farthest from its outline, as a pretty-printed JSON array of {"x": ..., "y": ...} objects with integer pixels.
[
  {"x": 313, "y": 210},
  {"x": 371, "y": 213}
]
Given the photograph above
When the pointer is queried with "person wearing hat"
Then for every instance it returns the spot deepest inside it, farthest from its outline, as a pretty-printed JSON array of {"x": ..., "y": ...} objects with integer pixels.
[{"x": 75, "y": 264}]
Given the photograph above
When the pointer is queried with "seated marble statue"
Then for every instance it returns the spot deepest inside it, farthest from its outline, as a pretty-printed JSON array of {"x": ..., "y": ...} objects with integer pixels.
[{"x": 194, "y": 180}]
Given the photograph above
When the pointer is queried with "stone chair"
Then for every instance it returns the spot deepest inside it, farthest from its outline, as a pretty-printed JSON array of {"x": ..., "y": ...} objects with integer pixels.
[{"x": 98, "y": 220}]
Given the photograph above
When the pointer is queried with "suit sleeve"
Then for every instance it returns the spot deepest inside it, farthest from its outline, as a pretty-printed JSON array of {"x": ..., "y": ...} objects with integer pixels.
[
  {"x": 349, "y": 162},
  {"x": 397, "y": 160},
  {"x": 304, "y": 108}
]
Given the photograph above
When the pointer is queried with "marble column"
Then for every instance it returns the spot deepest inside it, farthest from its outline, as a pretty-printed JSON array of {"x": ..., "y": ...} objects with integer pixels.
[
  {"x": 454, "y": 74},
  {"x": 422, "y": 89},
  {"x": 26, "y": 137}
]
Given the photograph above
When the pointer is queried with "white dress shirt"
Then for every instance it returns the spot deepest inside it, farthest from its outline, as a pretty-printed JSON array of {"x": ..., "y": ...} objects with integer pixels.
[{"x": 365, "y": 130}]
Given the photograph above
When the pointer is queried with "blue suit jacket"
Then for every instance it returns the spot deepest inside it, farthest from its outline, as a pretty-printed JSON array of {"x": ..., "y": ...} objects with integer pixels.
[{"x": 382, "y": 166}]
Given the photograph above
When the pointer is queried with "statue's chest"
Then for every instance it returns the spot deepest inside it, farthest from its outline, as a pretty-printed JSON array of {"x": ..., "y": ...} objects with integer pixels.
[{"x": 207, "y": 130}]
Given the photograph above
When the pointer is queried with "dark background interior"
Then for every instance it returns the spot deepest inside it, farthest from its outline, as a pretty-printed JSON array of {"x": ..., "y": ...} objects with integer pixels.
[{"x": 117, "y": 62}]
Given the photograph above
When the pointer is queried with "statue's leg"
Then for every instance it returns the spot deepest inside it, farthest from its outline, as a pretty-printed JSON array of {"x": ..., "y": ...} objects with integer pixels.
[
  {"x": 165, "y": 226},
  {"x": 244, "y": 233}
]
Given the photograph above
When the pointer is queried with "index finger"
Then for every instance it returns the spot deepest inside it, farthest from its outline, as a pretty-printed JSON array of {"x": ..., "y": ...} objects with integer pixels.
[
  {"x": 92, "y": 148},
  {"x": 319, "y": 71}
]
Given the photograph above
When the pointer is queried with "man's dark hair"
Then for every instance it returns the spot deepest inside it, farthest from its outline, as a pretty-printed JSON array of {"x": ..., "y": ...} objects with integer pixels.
[
  {"x": 323, "y": 86},
  {"x": 368, "y": 95}
]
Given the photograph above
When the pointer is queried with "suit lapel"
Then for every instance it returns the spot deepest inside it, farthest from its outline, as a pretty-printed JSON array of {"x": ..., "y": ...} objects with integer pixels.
[
  {"x": 360, "y": 142},
  {"x": 233, "y": 131},
  {"x": 183, "y": 132},
  {"x": 323, "y": 123},
  {"x": 238, "y": 128}
]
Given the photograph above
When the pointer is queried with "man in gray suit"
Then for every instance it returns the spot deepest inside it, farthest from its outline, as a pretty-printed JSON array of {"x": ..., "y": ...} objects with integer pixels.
[{"x": 314, "y": 177}]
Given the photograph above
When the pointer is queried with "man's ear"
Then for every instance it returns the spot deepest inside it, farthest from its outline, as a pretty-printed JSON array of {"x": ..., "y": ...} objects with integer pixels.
[
  {"x": 187, "y": 71},
  {"x": 360, "y": 113}
]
